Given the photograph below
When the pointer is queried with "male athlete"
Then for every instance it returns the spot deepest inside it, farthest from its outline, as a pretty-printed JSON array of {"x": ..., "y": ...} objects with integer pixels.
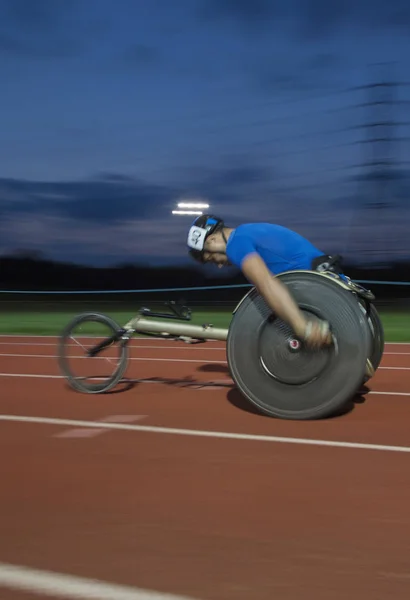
[{"x": 261, "y": 250}]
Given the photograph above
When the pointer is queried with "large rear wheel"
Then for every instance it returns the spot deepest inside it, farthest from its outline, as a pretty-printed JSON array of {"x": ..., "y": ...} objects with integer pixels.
[{"x": 275, "y": 370}]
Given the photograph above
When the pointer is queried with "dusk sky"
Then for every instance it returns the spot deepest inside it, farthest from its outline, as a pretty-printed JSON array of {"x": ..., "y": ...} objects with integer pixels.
[{"x": 115, "y": 110}]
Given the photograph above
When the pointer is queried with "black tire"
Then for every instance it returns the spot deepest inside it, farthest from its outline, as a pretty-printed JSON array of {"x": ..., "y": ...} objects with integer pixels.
[
  {"x": 299, "y": 383},
  {"x": 378, "y": 337},
  {"x": 78, "y": 384},
  {"x": 377, "y": 334}
]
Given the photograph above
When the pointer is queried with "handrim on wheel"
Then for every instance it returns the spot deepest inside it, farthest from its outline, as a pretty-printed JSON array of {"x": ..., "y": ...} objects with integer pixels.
[
  {"x": 274, "y": 370},
  {"x": 114, "y": 338}
]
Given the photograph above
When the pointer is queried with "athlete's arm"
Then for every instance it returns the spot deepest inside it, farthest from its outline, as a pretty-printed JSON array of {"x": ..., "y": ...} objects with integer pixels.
[{"x": 274, "y": 292}]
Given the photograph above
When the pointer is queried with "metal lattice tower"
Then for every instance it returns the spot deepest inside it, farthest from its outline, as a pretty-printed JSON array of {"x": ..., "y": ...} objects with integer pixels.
[{"x": 374, "y": 192}]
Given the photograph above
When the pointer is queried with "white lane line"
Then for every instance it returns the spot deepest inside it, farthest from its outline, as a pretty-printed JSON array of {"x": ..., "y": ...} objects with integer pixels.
[
  {"x": 393, "y": 369},
  {"x": 205, "y": 386},
  {"x": 21, "y": 578},
  {"x": 32, "y": 375},
  {"x": 139, "y": 358},
  {"x": 203, "y": 433},
  {"x": 389, "y": 393},
  {"x": 187, "y": 347},
  {"x": 181, "y": 346},
  {"x": 56, "y": 337},
  {"x": 137, "y": 338},
  {"x": 146, "y": 359},
  {"x": 166, "y": 380},
  {"x": 23, "y": 336},
  {"x": 141, "y": 347}
]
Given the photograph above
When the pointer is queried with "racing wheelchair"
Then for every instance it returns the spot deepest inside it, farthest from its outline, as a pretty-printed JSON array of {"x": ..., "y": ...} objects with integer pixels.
[{"x": 270, "y": 366}]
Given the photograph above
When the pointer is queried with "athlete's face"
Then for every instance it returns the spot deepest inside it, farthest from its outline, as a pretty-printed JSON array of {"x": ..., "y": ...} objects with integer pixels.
[
  {"x": 214, "y": 250},
  {"x": 215, "y": 243},
  {"x": 217, "y": 258}
]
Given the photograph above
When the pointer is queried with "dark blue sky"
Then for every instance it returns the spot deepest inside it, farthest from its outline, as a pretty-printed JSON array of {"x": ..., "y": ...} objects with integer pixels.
[{"x": 113, "y": 110}]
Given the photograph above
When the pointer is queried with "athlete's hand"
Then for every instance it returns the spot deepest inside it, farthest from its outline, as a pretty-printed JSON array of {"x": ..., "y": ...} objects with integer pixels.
[
  {"x": 279, "y": 299},
  {"x": 316, "y": 334}
]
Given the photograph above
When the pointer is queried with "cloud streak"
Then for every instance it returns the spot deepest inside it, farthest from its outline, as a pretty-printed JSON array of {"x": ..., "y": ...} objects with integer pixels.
[
  {"x": 45, "y": 29},
  {"x": 106, "y": 199},
  {"x": 316, "y": 18}
]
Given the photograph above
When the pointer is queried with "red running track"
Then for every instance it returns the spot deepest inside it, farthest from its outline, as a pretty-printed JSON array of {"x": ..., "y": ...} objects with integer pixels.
[{"x": 210, "y": 518}]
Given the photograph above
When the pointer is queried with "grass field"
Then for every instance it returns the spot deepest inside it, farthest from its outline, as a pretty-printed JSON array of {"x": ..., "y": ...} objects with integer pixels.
[{"x": 396, "y": 324}]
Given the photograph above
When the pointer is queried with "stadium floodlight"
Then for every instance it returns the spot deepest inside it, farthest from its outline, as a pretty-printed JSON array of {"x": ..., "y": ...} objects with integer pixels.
[
  {"x": 192, "y": 205},
  {"x": 190, "y": 208},
  {"x": 187, "y": 212}
]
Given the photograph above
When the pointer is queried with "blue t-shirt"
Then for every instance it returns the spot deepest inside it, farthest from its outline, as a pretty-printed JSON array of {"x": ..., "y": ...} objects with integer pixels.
[{"x": 282, "y": 249}]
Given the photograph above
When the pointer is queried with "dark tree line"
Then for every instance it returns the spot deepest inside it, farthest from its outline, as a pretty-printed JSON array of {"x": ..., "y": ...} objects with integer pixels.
[{"x": 34, "y": 273}]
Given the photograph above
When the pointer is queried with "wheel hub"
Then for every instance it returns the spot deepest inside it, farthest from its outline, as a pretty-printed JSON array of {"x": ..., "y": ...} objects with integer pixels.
[
  {"x": 286, "y": 359},
  {"x": 294, "y": 344}
]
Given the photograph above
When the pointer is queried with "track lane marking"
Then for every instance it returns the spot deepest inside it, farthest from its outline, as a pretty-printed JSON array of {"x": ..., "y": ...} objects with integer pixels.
[
  {"x": 204, "y": 433},
  {"x": 165, "y": 359},
  {"x": 202, "y": 384},
  {"x": 138, "y": 358},
  {"x": 54, "y": 584}
]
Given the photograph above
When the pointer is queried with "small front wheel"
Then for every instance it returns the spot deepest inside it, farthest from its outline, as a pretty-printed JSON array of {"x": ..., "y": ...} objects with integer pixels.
[{"x": 99, "y": 371}]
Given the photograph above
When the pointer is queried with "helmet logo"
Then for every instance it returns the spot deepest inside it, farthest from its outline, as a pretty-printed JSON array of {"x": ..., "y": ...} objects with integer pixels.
[{"x": 196, "y": 238}]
